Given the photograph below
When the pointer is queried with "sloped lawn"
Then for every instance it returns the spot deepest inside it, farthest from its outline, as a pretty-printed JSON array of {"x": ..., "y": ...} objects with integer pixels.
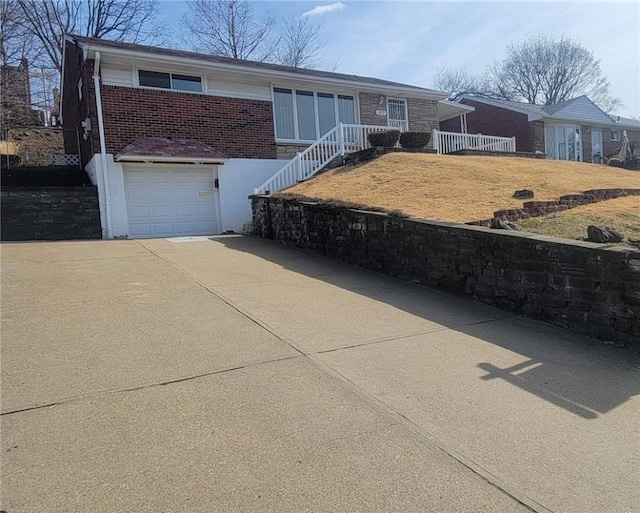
[{"x": 458, "y": 188}]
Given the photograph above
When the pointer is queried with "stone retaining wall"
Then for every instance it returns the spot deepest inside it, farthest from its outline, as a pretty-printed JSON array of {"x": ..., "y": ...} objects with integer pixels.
[
  {"x": 542, "y": 208},
  {"x": 590, "y": 288},
  {"x": 50, "y": 213}
]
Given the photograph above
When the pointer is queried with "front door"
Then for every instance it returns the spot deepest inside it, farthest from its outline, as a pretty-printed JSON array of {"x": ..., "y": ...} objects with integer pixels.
[{"x": 398, "y": 114}]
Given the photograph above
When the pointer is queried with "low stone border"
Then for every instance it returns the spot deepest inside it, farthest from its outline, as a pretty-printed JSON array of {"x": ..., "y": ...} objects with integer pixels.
[{"x": 542, "y": 208}]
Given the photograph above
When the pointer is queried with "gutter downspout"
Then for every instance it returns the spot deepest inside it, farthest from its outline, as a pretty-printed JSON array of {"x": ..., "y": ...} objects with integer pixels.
[{"x": 103, "y": 143}]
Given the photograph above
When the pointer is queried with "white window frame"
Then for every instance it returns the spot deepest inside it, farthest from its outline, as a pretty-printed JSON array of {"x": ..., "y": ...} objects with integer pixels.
[
  {"x": 563, "y": 127},
  {"x": 136, "y": 80},
  {"x": 406, "y": 109},
  {"x": 315, "y": 91},
  {"x": 615, "y": 135}
]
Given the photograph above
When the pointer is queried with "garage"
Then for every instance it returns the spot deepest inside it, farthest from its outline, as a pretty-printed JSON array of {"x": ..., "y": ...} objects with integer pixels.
[
  {"x": 171, "y": 200},
  {"x": 170, "y": 189}
]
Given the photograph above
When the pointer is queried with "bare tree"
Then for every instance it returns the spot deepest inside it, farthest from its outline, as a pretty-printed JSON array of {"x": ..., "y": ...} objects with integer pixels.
[
  {"x": 229, "y": 28},
  {"x": 300, "y": 44},
  {"x": 15, "y": 42},
  {"x": 459, "y": 82},
  {"x": 547, "y": 71},
  {"x": 122, "y": 20}
]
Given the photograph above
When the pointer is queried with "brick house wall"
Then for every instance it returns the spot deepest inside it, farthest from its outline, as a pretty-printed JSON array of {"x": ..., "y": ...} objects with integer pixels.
[
  {"x": 238, "y": 127},
  {"x": 536, "y": 137},
  {"x": 76, "y": 109},
  {"x": 492, "y": 120},
  {"x": 613, "y": 147}
]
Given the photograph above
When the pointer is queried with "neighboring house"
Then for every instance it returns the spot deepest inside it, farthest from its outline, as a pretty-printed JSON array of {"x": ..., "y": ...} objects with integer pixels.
[
  {"x": 184, "y": 138},
  {"x": 576, "y": 129}
]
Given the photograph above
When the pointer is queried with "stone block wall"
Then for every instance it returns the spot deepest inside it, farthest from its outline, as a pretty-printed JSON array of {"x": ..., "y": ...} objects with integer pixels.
[
  {"x": 289, "y": 150},
  {"x": 589, "y": 288},
  {"x": 50, "y": 213}
]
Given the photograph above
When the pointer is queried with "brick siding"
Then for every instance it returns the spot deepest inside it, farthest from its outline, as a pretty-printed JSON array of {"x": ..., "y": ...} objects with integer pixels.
[
  {"x": 537, "y": 136},
  {"x": 492, "y": 120},
  {"x": 238, "y": 127},
  {"x": 612, "y": 148}
]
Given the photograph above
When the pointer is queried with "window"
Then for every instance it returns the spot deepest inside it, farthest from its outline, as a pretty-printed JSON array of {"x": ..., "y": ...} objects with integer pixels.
[
  {"x": 398, "y": 114},
  {"x": 307, "y": 115},
  {"x": 326, "y": 112},
  {"x": 615, "y": 135},
  {"x": 173, "y": 81},
  {"x": 283, "y": 107}
]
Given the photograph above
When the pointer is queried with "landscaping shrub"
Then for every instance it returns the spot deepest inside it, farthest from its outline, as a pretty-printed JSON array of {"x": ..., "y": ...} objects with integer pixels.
[
  {"x": 387, "y": 139},
  {"x": 414, "y": 139}
]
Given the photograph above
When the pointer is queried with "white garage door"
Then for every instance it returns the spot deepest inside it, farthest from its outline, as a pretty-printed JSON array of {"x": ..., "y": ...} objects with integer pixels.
[{"x": 169, "y": 202}]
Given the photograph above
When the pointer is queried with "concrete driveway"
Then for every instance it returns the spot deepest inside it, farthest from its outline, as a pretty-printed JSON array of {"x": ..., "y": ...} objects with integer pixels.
[{"x": 235, "y": 374}]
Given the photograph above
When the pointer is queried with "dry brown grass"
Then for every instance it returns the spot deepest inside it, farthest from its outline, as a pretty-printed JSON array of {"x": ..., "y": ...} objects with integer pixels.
[
  {"x": 457, "y": 188},
  {"x": 623, "y": 214}
]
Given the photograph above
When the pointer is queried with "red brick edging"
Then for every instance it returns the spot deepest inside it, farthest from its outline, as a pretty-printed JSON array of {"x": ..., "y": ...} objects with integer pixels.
[{"x": 542, "y": 208}]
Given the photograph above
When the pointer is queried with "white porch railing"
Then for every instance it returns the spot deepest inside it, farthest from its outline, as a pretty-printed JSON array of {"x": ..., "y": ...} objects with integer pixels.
[
  {"x": 336, "y": 142},
  {"x": 448, "y": 142}
]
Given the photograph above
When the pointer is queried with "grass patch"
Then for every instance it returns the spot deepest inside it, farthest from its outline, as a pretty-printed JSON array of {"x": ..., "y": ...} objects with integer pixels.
[
  {"x": 623, "y": 214},
  {"x": 457, "y": 188}
]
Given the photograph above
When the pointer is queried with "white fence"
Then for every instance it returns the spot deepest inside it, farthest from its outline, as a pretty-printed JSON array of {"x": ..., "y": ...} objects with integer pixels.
[
  {"x": 448, "y": 142},
  {"x": 337, "y": 142}
]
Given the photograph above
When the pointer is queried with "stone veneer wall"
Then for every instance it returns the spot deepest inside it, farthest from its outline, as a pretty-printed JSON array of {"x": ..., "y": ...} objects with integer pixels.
[
  {"x": 590, "y": 288},
  {"x": 423, "y": 115},
  {"x": 50, "y": 213},
  {"x": 369, "y": 104}
]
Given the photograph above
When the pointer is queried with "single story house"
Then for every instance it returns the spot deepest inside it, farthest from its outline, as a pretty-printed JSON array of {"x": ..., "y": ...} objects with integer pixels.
[
  {"x": 176, "y": 141},
  {"x": 575, "y": 129}
]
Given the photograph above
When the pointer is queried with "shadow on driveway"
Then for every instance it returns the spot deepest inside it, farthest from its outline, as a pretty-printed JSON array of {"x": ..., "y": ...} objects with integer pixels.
[{"x": 584, "y": 376}]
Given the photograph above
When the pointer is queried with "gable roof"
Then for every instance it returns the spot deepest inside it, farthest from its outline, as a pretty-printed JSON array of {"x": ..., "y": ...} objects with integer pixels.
[
  {"x": 576, "y": 109},
  {"x": 260, "y": 67},
  {"x": 169, "y": 150}
]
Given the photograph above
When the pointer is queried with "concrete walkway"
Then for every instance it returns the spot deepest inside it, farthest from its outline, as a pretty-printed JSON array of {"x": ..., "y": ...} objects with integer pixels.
[{"x": 235, "y": 374}]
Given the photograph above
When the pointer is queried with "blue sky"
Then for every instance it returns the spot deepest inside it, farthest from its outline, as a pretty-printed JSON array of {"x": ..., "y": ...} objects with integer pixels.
[{"x": 409, "y": 41}]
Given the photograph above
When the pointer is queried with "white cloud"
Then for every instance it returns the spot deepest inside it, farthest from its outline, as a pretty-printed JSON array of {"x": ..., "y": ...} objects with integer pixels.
[{"x": 319, "y": 10}]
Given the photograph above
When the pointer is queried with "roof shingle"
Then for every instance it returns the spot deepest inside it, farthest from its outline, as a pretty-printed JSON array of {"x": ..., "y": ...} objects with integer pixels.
[
  {"x": 244, "y": 63},
  {"x": 187, "y": 149}
]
